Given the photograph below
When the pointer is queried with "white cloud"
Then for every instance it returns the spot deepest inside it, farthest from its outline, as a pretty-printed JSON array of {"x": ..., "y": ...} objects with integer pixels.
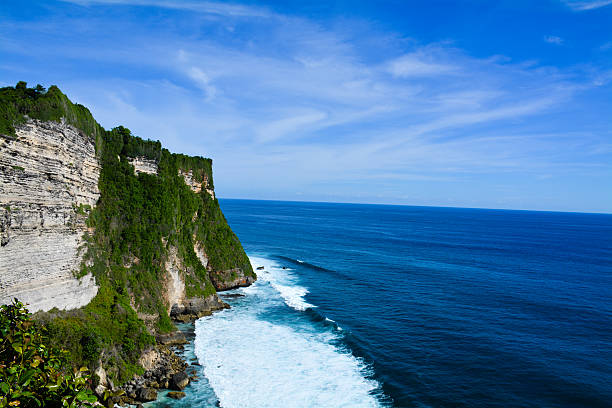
[
  {"x": 210, "y": 7},
  {"x": 419, "y": 64},
  {"x": 203, "y": 82},
  {"x": 553, "y": 39},
  {"x": 582, "y": 5}
]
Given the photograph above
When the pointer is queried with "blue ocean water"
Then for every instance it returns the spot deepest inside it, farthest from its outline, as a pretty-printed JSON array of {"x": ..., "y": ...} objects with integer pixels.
[{"x": 414, "y": 307}]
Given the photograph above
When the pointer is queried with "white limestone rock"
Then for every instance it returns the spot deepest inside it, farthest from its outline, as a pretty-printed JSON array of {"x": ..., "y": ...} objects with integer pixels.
[
  {"x": 48, "y": 183},
  {"x": 143, "y": 165}
]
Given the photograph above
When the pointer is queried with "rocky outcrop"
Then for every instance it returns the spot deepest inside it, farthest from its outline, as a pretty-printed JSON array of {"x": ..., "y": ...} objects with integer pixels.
[
  {"x": 194, "y": 308},
  {"x": 197, "y": 186},
  {"x": 223, "y": 280},
  {"x": 176, "y": 395},
  {"x": 168, "y": 371},
  {"x": 48, "y": 183},
  {"x": 147, "y": 394},
  {"x": 143, "y": 165},
  {"x": 179, "y": 381},
  {"x": 230, "y": 279},
  {"x": 171, "y": 339}
]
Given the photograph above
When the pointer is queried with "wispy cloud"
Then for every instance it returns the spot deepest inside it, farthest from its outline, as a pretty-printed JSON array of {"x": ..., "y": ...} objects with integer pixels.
[
  {"x": 419, "y": 64},
  {"x": 553, "y": 39},
  {"x": 203, "y": 82},
  {"x": 219, "y": 8},
  {"x": 582, "y": 5},
  {"x": 292, "y": 105}
]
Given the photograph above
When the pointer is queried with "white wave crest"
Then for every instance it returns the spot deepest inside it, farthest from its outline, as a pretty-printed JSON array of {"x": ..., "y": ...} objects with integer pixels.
[{"x": 283, "y": 281}]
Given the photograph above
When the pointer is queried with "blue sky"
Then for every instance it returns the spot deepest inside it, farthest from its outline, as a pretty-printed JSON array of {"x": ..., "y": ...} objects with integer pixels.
[{"x": 497, "y": 104}]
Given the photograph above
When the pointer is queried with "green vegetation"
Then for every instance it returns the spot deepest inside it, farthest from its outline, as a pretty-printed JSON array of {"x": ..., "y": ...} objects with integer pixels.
[
  {"x": 33, "y": 373},
  {"x": 36, "y": 103},
  {"x": 137, "y": 219},
  {"x": 83, "y": 209},
  {"x": 18, "y": 168}
]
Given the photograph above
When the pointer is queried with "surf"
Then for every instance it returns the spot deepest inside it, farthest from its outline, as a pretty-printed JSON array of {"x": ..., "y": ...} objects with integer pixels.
[{"x": 265, "y": 351}]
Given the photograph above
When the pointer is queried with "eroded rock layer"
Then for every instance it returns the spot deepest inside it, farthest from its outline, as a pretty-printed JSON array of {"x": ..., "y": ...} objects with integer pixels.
[
  {"x": 230, "y": 279},
  {"x": 48, "y": 183},
  {"x": 144, "y": 165}
]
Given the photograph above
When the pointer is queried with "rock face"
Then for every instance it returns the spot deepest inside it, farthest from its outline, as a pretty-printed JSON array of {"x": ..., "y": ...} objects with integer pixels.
[
  {"x": 48, "y": 182},
  {"x": 201, "y": 254},
  {"x": 175, "y": 284},
  {"x": 197, "y": 186},
  {"x": 148, "y": 360},
  {"x": 230, "y": 279},
  {"x": 194, "y": 308},
  {"x": 144, "y": 165}
]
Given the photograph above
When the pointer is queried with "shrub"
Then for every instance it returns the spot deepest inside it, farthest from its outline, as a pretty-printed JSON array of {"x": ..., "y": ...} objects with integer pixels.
[{"x": 33, "y": 374}]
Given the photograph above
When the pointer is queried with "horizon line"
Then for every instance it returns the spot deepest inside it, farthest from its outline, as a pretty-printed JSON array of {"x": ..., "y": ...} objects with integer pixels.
[{"x": 414, "y": 205}]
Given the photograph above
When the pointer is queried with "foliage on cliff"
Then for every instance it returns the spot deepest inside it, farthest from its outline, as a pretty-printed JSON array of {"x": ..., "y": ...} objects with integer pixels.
[
  {"x": 137, "y": 219},
  {"x": 38, "y": 103},
  {"x": 33, "y": 373}
]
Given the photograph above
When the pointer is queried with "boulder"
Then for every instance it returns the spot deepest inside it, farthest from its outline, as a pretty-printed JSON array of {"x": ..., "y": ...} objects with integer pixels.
[
  {"x": 173, "y": 338},
  {"x": 179, "y": 381},
  {"x": 176, "y": 394},
  {"x": 147, "y": 394}
]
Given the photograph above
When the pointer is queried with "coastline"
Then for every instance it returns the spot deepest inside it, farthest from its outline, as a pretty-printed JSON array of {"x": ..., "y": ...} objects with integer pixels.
[
  {"x": 286, "y": 346},
  {"x": 167, "y": 371},
  {"x": 171, "y": 366}
]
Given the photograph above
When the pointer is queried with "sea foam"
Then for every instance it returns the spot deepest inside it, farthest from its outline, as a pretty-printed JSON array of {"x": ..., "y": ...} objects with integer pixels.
[
  {"x": 261, "y": 353},
  {"x": 283, "y": 281}
]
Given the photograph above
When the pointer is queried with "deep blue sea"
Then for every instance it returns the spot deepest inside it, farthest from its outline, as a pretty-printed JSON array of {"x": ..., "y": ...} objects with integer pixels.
[{"x": 372, "y": 305}]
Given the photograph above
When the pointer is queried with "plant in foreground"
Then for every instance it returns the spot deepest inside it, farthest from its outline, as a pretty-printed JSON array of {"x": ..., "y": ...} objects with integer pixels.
[{"x": 33, "y": 374}]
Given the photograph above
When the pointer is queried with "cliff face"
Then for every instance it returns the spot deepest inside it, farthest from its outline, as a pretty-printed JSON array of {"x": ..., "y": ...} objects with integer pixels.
[
  {"x": 116, "y": 232},
  {"x": 49, "y": 185},
  {"x": 48, "y": 178}
]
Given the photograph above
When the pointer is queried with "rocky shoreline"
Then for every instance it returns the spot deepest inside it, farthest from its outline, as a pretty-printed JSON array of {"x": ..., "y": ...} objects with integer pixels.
[{"x": 165, "y": 369}]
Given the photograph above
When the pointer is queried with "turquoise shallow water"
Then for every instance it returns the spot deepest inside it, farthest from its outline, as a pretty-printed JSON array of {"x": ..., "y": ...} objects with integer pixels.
[{"x": 413, "y": 307}]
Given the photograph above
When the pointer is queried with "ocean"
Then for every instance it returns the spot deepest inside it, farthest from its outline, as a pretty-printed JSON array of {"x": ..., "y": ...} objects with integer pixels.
[{"x": 400, "y": 306}]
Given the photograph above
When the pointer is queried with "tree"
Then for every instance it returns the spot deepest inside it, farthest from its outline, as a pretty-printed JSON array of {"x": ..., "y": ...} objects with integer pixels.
[{"x": 32, "y": 374}]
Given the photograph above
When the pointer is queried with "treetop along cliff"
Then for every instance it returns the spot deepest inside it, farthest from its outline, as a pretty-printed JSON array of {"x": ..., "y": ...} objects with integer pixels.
[{"x": 140, "y": 223}]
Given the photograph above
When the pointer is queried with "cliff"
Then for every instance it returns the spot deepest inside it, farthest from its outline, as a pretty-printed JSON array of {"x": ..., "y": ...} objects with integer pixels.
[
  {"x": 48, "y": 171},
  {"x": 107, "y": 235}
]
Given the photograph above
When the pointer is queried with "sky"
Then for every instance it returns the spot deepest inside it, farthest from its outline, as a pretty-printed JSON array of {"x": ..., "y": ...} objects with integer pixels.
[{"x": 473, "y": 103}]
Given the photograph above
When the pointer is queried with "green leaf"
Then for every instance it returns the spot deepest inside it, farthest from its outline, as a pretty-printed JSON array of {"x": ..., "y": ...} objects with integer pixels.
[
  {"x": 26, "y": 377},
  {"x": 4, "y": 387}
]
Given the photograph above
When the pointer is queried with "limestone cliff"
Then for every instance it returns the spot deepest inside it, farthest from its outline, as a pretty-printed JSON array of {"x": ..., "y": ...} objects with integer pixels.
[{"x": 48, "y": 180}]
